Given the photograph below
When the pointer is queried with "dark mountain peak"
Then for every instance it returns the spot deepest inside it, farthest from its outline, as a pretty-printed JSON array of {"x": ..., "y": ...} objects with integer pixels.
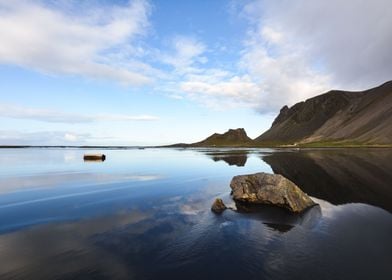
[
  {"x": 284, "y": 109},
  {"x": 283, "y": 115},
  {"x": 240, "y": 132},
  {"x": 314, "y": 111},
  {"x": 232, "y": 137}
]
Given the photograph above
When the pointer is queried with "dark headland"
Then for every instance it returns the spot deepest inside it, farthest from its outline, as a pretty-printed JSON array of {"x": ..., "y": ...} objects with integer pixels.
[{"x": 333, "y": 119}]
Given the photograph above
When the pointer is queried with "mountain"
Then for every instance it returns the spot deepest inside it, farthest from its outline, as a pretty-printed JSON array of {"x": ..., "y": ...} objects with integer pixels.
[
  {"x": 232, "y": 137},
  {"x": 336, "y": 117}
]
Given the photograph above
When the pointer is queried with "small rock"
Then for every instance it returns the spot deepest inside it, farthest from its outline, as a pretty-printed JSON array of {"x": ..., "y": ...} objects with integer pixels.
[
  {"x": 270, "y": 189},
  {"x": 218, "y": 206}
]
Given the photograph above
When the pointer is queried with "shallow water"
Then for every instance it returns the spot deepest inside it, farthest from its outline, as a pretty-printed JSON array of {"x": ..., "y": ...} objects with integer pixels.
[{"x": 145, "y": 214}]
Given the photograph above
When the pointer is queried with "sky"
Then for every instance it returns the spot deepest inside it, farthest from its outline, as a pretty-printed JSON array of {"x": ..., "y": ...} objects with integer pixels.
[{"x": 158, "y": 72}]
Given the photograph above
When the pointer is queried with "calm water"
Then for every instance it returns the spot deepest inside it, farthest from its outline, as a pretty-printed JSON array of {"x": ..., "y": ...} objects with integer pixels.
[{"x": 145, "y": 214}]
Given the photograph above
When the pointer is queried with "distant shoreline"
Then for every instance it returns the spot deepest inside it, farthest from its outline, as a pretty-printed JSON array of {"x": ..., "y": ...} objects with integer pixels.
[
  {"x": 184, "y": 146},
  {"x": 72, "y": 147}
]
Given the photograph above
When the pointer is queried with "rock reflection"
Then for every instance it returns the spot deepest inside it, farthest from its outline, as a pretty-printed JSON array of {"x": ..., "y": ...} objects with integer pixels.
[
  {"x": 280, "y": 219},
  {"x": 279, "y": 227},
  {"x": 339, "y": 176}
]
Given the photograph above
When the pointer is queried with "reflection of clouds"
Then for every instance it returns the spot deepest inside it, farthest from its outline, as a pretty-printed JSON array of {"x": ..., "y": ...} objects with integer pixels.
[
  {"x": 189, "y": 209},
  {"x": 71, "y": 156},
  {"x": 53, "y": 179},
  {"x": 201, "y": 200},
  {"x": 65, "y": 249},
  {"x": 178, "y": 234},
  {"x": 172, "y": 231},
  {"x": 18, "y": 157}
]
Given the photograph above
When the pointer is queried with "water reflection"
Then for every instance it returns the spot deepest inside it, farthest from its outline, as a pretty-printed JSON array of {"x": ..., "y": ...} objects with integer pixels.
[
  {"x": 278, "y": 218},
  {"x": 161, "y": 227},
  {"x": 237, "y": 158},
  {"x": 64, "y": 250},
  {"x": 55, "y": 179},
  {"x": 339, "y": 176},
  {"x": 232, "y": 245}
]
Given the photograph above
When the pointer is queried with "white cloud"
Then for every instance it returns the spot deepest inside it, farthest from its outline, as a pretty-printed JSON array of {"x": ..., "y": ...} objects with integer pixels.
[
  {"x": 222, "y": 92},
  {"x": 70, "y": 137},
  {"x": 186, "y": 51},
  {"x": 277, "y": 70},
  {"x": 283, "y": 74},
  {"x": 19, "y": 112},
  {"x": 292, "y": 50},
  {"x": 348, "y": 41},
  {"x": 269, "y": 73},
  {"x": 66, "y": 40},
  {"x": 271, "y": 35}
]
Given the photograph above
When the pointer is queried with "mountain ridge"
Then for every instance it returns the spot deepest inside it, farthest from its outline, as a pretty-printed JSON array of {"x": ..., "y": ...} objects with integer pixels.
[
  {"x": 335, "y": 118},
  {"x": 363, "y": 117}
]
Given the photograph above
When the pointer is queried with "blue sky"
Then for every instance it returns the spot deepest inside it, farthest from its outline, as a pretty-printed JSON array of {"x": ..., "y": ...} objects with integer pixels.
[{"x": 157, "y": 72}]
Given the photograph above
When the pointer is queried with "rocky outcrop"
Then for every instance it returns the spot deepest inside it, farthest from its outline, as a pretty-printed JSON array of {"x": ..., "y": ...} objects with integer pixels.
[
  {"x": 232, "y": 137},
  {"x": 269, "y": 189},
  {"x": 218, "y": 206}
]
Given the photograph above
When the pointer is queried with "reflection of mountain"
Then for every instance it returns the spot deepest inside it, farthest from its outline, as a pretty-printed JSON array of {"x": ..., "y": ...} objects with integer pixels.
[
  {"x": 231, "y": 159},
  {"x": 339, "y": 176}
]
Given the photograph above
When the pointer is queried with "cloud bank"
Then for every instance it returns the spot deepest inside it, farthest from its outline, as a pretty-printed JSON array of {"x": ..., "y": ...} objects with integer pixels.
[
  {"x": 294, "y": 50},
  {"x": 291, "y": 50},
  {"x": 75, "y": 39},
  {"x": 43, "y": 138},
  {"x": 51, "y": 116}
]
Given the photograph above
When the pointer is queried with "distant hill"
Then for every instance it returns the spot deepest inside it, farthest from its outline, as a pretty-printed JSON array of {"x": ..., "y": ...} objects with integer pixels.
[
  {"x": 232, "y": 137},
  {"x": 336, "y": 117}
]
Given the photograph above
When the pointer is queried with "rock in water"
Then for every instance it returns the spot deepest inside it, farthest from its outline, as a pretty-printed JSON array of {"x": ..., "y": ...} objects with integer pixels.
[
  {"x": 218, "y": 206},
  {"x": 263, "y": 188}
]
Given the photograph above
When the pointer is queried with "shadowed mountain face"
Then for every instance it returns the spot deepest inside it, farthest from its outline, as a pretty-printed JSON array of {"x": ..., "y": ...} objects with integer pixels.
[
  {"x": 339, "y": 176},
  {"x": 337, "y": 116},
  {"x": 233, "y": 137}
]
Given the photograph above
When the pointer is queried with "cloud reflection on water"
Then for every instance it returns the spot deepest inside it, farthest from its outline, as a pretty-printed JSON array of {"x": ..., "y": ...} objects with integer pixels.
[{"x": 164, "y": 228}]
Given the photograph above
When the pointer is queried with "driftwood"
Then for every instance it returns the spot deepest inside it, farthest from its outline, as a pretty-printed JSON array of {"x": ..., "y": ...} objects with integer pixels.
[{"x": 94, "y": 157}]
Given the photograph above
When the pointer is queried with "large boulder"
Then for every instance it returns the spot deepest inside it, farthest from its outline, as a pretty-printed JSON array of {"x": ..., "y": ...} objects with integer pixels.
[{"x": 270, "y": 189}]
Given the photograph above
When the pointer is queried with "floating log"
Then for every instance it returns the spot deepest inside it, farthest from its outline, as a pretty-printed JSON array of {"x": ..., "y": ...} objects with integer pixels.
[{"x": 94, "y": 157}]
